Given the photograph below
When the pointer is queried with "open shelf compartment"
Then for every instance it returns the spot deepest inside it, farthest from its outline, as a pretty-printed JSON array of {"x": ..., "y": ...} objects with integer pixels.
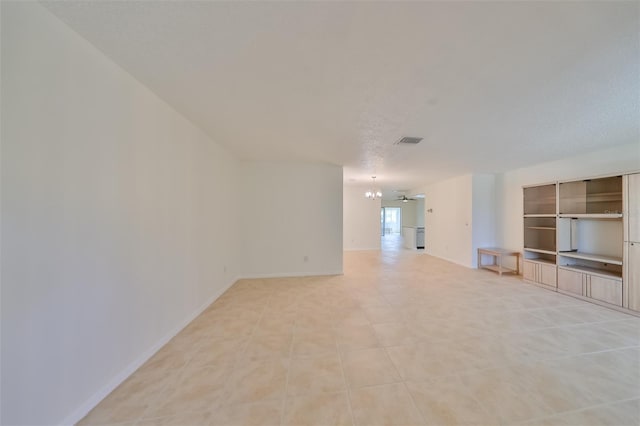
[
  {"x": 539, "y": 256},
  {"x": 540, "y": 233},
  {"x": 605, "y": 266}
]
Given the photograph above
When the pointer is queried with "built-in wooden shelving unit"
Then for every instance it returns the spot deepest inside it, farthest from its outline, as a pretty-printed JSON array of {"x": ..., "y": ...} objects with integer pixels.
[{"x": 579, "y": 238}]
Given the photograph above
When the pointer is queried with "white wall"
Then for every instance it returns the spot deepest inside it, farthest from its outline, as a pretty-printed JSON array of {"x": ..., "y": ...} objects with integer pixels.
[
  {"x": 361, "y": 220},
  {"x": 113, "y": 235},
  {"x": 409, "y": 210},
  {"x": 483, "y": 213},
  {"x": 291, "y": 210},
  {"x": 616, "y": 160},
  {"x": 448, "y": 228}
]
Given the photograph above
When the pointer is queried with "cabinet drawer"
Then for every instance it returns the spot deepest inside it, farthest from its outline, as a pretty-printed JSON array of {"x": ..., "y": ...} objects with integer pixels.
[
  {"x": 570, "y": 281},
  {"x": 607, "y": 290}
]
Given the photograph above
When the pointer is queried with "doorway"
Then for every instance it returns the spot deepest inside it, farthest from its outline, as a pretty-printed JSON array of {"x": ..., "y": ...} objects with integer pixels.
[
  {"x": 391, "y": 220},
  {"x": 391, "y": 228}
]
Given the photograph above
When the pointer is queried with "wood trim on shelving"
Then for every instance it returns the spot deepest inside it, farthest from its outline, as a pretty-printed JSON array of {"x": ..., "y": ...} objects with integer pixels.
[
  {"x": 591, "y": 215},
  {"x": 540, "y": 251}
]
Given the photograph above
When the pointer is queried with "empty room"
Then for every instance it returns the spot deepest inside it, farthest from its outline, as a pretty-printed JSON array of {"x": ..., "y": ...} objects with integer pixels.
[{"x": 320, "y": 213}]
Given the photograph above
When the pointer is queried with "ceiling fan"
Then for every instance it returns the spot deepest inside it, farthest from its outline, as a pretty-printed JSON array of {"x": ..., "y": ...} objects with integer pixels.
[{"x": 405, "y": 199}]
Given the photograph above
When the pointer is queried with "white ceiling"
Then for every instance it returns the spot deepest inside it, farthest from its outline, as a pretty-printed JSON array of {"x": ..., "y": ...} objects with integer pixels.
[{"x": 490, "y": 86}]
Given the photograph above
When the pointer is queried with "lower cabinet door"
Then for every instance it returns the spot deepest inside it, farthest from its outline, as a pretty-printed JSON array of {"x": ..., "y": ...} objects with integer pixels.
[
  {"x": 570, "y": 281},
  {"x": 607, "y": 290},
  {"x": 632, "y": 263},
  {"x": 529, "y": 270},
  {"x": 547, "y": 274}
]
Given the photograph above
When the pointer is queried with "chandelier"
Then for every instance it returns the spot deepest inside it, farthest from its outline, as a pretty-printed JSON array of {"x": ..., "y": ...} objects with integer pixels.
[{"x": 374, "y": 193}]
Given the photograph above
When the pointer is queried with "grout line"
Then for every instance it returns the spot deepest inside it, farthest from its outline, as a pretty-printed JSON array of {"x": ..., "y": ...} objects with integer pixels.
[
  {"x": 346, "y": 384},
  {"x": 241, "y": 355},
  {"x": 413, "y": 401},
  {"x": 286, "y": 382},
  {"x": 166, "y": 386},
  {"x": 473, "y": 395},
  {"x": 404, "y": 383}
]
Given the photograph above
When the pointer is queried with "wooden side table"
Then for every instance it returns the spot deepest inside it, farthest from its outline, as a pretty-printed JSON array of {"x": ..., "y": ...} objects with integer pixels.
[{"x": 498, "y": 254}]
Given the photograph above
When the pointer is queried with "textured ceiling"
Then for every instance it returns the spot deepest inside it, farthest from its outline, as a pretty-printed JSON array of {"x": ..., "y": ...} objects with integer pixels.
[{"x": 490, "y": 86}]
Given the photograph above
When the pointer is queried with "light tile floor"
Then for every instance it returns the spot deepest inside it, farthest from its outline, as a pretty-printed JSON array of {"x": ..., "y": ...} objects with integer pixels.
[{"x": 401, "y": 338}]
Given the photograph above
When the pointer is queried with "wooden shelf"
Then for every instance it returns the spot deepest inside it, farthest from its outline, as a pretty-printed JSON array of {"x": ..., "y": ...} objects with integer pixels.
[
  {"x": 604, "y": 196},
  {"x": 534, "y": 250},
  {"x": 614, "y": 195},
  {"x": 499, "y": 269},
  {"x": 540, "y": 260},
  {"x": 540, "y": 215},
  {"x": 592, "y": 215},
  {"x": 614, "y": 260},
  {"x": 593, "y": 271},
  {"x": 547, "y": 228}
]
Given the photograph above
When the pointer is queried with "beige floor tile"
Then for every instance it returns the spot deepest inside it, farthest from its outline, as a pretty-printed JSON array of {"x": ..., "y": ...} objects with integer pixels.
[
  {"x": 628, "y": 328},
  {"x": 382, "y": 314},
  {"x": 557, "y": 316},
  {"x": 107, "y": 414},
  {"x": 368, "y": 367},
  {"x": 268, "y": 346},
  {"x": 318, "y": 409},
  {"x": 184, "y": 419},
  {"x": 589, "y": 313},
  {"x": 217, "y": 351},
  {"x": 233, "y": 325},
  {"x": 499, "y": 392},
  {"x": 421, "y": 362},
  {"x": 626, "y": 413},
  {"x": 384, "y": 405},
  {"x": 393, "y": 334},
  {"x": 447, "y": 402},
  {"x": 276, "y": 323},
  {"x": 132, "y": 398},
  {"x": 462, "y": 339},
  {"x": 316, "y": 342},
  {"x": 199, "y": 389},
  {"x": 166, "y": 359},
  {"x": 352, "y": 317},
  {"x": 255, "y": 380},
  {"x": 315, "y": 375},
  {"x": 125, "y": 423},
  {"x": 356, "y": 337},
  {"x": 263, "y": 413}
]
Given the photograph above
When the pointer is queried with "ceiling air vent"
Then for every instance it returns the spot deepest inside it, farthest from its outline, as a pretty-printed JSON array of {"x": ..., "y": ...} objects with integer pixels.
[{"x": 408, "y": 140}]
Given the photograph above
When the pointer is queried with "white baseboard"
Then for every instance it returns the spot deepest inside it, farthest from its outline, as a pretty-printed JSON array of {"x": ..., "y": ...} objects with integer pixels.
[
  {"x": 289, "y": 275},
  {"x": 96, "y": 398},
  {"x": 363, "y": 249},
  {"x": 452, "y": 261}
]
